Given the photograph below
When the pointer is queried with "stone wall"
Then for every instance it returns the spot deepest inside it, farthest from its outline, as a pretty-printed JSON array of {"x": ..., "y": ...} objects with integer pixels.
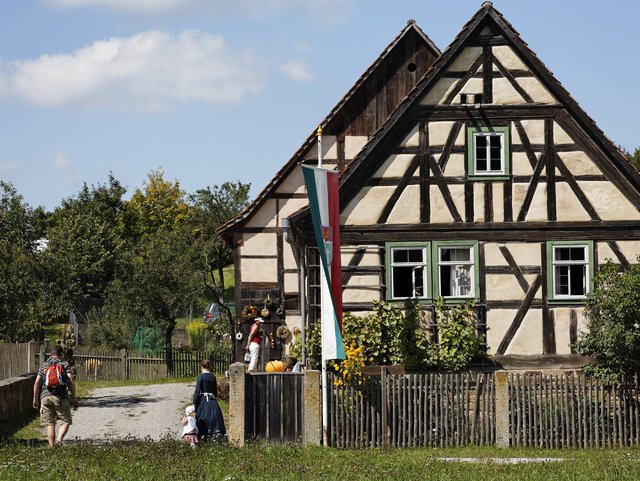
[{"x": 16, "y": 396}]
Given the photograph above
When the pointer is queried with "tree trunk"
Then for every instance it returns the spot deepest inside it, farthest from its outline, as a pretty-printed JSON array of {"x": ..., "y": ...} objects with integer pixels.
[{"x": 168, "y": 333}]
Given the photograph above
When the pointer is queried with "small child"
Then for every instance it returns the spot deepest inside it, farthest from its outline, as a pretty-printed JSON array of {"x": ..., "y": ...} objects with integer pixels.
[{"x": 190, "y": 430}]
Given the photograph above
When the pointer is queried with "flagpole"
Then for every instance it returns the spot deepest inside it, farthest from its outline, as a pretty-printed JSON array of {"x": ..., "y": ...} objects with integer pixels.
[{"x": 325, "y": 377}]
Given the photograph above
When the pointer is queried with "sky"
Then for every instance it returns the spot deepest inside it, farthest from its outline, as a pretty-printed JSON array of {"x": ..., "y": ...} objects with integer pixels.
[{"x": 211, "y": 91}]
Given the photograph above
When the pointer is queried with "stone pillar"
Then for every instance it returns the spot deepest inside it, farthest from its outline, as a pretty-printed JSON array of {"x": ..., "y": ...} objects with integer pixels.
[
  {"x": 312, "y": 409},
  {"x": 236, "y": 428},
  {"x": 502, "y": 408}
]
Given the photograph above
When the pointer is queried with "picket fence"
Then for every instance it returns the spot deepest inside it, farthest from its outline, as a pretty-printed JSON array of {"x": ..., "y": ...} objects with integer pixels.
[
  {"x": 17, "y": 359},
  {"x": 559, "y": 410},
  {"x": 103, "y": 365}
]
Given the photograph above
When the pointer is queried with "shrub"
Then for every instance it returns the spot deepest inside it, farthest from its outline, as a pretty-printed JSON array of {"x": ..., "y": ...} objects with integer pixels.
[{"x": 197, "y": 331}]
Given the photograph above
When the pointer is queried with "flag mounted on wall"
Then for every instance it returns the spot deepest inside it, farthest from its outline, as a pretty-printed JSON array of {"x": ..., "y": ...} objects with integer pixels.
[{"x": 322, "y": 188}]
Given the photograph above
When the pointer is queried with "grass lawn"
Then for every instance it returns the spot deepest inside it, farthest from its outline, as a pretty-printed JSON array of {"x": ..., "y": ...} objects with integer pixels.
[{"x": 173, "y": 460}]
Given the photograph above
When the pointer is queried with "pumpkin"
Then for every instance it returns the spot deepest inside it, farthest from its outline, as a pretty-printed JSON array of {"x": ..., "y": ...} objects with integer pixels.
[{"x": 275, "y": 366}]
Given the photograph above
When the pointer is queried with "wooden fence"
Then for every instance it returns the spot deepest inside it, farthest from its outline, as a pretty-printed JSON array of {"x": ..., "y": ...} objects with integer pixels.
[
  {"x": 434, "y": 410},
  {"x": 570, "y": 410},
  {"x": 17, "y": 359},
  {"x": 93, "y": 365},
  {"x": 275, "y": 407}
]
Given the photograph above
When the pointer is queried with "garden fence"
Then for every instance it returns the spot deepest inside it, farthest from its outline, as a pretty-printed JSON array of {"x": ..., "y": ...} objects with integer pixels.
[
  {"x": 95, "y": 364},
  {"x": 17, "y": 359}
]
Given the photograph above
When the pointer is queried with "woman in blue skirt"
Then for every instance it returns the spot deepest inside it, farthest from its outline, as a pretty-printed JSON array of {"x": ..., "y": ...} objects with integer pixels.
[{"x": 208, "y": 415}]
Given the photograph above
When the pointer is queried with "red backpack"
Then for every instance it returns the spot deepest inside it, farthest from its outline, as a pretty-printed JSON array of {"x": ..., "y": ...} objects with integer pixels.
[{"x": 55, "y": 376}]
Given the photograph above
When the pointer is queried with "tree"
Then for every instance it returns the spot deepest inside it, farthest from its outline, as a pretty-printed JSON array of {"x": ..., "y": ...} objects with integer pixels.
[
  {"x": 156, "y": 278},
  {"x": 212, "y": 208},
  {"x": 634, "y": 157},
  {"x": 19, "y": 280},
  {"x": 613, "y": 323},
  {"x": 84, "y": 237}
]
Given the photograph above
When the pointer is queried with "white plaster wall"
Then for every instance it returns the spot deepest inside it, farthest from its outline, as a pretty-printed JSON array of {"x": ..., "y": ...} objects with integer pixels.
[
  {"x": 473, "y": 86},
  {"x": 407, "y": 208},
  {"x": 439, "y": 133},
  {"x": 412, "y": 139},
  {"x": 609, "y": 203},
  {"x": 579, "y": 163},
  {"x": 630, "y": 249},
  {"x": 293, "y": 183},
  {"x": 503, "y": 287},
  {"x": 524, "y": 254},
  {"x": 288, "y": 255},
  {"x": 366, "y": 207},
  {"x": 258, "y": 244},
  {"x": 508, "y": 58},
  {"x": 504, "y": 93},
  {"x": 329, "y": 149},
  {"x": 394, "y": 166},
  {"x": 439, "y": 91},
  {"x": 290, "y": 206},
  {"x": 528, "y": 339},
  {"x": 520, "y": 163},
  {"x": 568, "y": 207},
  {"x": 259, "y": 270},
  {"x": 537, "y": 91},
  {"x": 291, "y": 283},
  {"x": 560, "y": 136},
  {"x": 439, "y": 211},
  {"x": 538, "y": 208},
  {"x": 360, "y": 295},
  {"x": 354, "y": 144},
  {"x": 493, "y": 256},
  {"x": 455, "y": 166},
  {"x": 265, "y": 216},
  {"x": 478, "y": 202},
  {"x": 562, "y": 323},
  {"x": 457, "y": 195},
  {"x": 465, "y": 59},
  {"x": 498, "y": 201},
  {"x": 534, "y": 130},
  {"x": 369, "y": 280}
]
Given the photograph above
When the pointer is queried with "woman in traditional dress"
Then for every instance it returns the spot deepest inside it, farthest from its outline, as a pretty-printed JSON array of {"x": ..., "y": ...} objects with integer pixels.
[
  {"x": 208, "y": 415},
  {"x": 253, "y": 343}
]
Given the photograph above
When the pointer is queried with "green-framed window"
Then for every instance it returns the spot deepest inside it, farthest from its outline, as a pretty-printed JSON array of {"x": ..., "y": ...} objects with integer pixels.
[
  {"x": 408, "y": 270},
  {"x": 488, "y": 153},
  {"x": 570, "y": 270},
  {"x": 455, "y": 270},
  {"x": 424, "y": 270}
]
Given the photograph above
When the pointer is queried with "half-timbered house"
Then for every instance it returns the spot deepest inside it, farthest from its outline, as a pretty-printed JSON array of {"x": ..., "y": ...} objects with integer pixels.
[{"x": 473, "y": 175}]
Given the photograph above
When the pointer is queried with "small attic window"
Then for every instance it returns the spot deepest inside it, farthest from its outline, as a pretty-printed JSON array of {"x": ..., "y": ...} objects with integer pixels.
[
  {"x": 412, "y": 67},
  {"x": 471, "y": 99}
]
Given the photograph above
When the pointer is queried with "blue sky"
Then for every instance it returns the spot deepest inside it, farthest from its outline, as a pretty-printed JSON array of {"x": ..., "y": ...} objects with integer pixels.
[{"x": 218, "y": 90}]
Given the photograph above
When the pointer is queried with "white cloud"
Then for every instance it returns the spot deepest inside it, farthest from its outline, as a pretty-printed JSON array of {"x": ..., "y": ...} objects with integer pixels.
[
  {"x": 317, "y": 10},
  {"x": 64, "y": 166},
  {"x": 297, "y": 70},
  {"x": 149, "y": 71}
]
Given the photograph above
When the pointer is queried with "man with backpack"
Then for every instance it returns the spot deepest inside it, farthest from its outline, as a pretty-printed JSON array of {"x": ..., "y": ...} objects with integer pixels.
[{"x": 50, "y": 394}]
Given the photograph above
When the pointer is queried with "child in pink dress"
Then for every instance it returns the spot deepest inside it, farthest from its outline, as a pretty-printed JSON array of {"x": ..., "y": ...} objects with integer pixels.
[{"x": 190, "y": 429}]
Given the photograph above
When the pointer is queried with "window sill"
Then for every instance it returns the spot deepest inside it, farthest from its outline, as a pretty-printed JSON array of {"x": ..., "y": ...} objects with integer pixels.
[{"x": 477, "y": 178}]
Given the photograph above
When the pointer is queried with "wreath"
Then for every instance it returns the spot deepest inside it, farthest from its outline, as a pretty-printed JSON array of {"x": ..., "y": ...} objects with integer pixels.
[
  {"x": 282, "y": 332},
  {"x": 249, "y": 312}
]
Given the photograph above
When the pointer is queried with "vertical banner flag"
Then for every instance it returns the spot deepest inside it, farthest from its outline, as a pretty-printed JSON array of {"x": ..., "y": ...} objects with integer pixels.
[{"x": 322, "y": 187}]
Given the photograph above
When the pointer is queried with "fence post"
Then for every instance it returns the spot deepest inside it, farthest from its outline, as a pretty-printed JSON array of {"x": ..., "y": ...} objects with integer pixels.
[
  {"x": 383, "y": 408},
  {"x": 502, "y": 408},
  {"x": 42, "y": 353},
  {"x": 123, "y": 364},
  {"x": 237, "y": 404},
  {"x": 31, "y": 352},
  {"x": 312, "y": 407}
]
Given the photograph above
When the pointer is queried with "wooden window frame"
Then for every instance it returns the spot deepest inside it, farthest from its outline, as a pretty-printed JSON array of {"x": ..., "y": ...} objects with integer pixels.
[
  {"x": 551, "y": 264},
  {"x": 389, "y": 248},
  {"x": 472, "y": 134},
  {"x": 475, "y": 282}
]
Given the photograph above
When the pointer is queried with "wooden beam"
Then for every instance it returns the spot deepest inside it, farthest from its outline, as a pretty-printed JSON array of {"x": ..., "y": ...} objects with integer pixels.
[
  {"x": 488, "y": 201},
  {"x": 550, "y": 170},
  {"x": 487, "y": 75},
  {"x": 448, "y": 146},
  {"x": 514, "y": 83},
  {"x": 497, "y": 112},
  {"x": 517, "y": 321},
  {"x": 446, "y": 194},
  {"x": 621, "y": 257},
  {"x": 524, "y": 138},
  {"x": 348, "y": 271},
  {"x": 569, "y": 179},
  {"x": 423, "y": 145},
  {"x": 531, "y": 190},
  {"x": 461, "y": 83},
  {"x": 515, "y": 269},
  {"x": 393, "y": 199}
]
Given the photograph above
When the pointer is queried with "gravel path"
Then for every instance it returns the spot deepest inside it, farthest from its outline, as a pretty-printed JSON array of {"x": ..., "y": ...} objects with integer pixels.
[{"x": 140, "y": 412}]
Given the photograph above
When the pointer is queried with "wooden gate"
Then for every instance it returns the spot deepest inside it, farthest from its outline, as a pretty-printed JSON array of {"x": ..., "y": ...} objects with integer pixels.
[{"x": 275, "y": 406}]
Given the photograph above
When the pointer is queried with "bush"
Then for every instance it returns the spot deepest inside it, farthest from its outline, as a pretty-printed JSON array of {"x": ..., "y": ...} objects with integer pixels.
[{"x": 197, "y": 331}]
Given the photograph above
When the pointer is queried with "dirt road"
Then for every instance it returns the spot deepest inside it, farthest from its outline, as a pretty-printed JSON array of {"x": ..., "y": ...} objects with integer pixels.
[{"x": 140, "y": 412}]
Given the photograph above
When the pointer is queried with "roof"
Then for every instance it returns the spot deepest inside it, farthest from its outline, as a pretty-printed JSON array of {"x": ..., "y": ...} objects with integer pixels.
[
  {"x": 487, "y": 13},
  {"x": 297, "y": 157}
]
